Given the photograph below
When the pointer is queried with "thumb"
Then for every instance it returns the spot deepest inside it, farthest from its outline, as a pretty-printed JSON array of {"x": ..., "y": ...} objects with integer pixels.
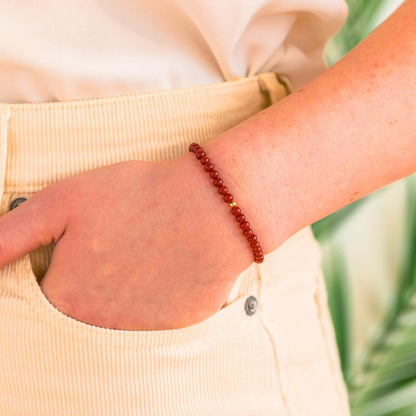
[{"x": 38, "y": 221}]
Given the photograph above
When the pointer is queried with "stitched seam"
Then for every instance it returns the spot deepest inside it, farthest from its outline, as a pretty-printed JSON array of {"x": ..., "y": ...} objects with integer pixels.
[
  {"x": 279, "y": 360},
  {"x": 135, "y": 98},
  {"x": 317, "y": 300}
]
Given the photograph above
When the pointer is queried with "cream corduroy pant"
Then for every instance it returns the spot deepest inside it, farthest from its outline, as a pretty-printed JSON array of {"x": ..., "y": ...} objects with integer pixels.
[{"x": 282, "y": 360}]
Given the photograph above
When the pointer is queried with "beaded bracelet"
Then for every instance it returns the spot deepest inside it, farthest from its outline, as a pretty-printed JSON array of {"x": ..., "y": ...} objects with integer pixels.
[{"x": 235, "y": 210}]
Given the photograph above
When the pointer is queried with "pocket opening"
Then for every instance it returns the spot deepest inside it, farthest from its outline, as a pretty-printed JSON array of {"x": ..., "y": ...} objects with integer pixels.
[{"x": 49, "y": 315}]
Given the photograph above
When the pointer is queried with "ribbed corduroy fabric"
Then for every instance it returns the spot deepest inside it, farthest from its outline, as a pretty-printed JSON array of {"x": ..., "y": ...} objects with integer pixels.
[{"x": 282, "y": 360}]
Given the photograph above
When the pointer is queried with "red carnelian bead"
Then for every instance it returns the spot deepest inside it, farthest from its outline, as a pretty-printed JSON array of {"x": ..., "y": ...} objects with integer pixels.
[
  {"x": 199, "y": 154},
  {"x": 257, "y": 250},
  {"x": 259, "y": 259},
  {"x": 254, "y": 245},
  {"x": 258, "y": 253},
  {"x": 204, "y": 160},
  {"x": 236, "y": 210},
  {"x": 191, "y": 146},
  {"x": 208, "y": 167},
  {"x": 248, "y": 232},
  {"x": 244, "y": 225},
  {"x": 223, "y": 190},
  {"x": 217, "y": 182},
  {"x": 228, "y": 198},
  {"x": 240, "y": 217},
  {"x": 196, "y": 148},
  {"x": 214, "y": 174},
  {"x": 252, "y": 239}
]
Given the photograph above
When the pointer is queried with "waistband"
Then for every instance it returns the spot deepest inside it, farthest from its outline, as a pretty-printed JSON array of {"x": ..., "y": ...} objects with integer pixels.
[{"x": 41, "y": 143}]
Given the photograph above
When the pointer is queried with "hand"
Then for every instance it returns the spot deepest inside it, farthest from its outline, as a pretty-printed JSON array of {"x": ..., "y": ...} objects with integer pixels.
[{"x": 139, "y": 245}]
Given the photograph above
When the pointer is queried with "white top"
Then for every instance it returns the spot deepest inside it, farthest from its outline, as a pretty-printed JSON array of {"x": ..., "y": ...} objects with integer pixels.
[{"x": 65, "y": 50}]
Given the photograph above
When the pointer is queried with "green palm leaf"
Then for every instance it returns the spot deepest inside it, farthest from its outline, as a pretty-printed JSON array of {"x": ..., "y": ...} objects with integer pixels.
[
  {"x": 355, "y": 29},
  {"x": 331, "y": 223},
  {"x": 333, "y": 268},
  {"x": 385, "y": 383}
]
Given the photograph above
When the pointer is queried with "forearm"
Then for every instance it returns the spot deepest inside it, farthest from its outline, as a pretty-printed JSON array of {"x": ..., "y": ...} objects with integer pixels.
[{"x": 347, "y": 133}]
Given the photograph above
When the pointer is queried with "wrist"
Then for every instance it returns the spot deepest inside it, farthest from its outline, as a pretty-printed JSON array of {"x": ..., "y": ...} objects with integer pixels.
[
  {"x": 249, "y": 181},
  {"x": 218, "y": 226}
]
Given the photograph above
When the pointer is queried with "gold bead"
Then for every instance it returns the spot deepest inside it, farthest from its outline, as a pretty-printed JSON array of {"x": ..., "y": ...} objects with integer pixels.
[{"x": 233, "y": 204}]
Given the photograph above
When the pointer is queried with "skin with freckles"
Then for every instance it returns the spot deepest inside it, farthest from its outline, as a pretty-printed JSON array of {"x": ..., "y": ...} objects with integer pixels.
[{"x": 148, "y": 245}]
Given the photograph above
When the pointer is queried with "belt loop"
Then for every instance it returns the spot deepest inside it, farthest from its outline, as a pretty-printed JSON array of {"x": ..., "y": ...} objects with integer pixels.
[
  {"x": 5, "y": 113},
  {"x": 270, "y": 83}
]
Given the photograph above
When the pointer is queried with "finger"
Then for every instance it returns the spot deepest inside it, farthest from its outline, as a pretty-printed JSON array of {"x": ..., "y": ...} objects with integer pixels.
[{"x": 39, "y": 221}]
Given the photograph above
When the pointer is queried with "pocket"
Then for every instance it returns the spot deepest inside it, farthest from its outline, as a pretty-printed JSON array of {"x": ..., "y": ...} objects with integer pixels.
[
  {"x": 71, "y": 327},
  {"x": 54, "y": 364}
]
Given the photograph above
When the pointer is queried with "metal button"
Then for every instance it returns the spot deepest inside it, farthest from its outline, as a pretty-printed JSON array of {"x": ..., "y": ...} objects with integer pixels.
[
  {"x": 251, "y": 305},
  {"x": 16, "y": 202}
]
